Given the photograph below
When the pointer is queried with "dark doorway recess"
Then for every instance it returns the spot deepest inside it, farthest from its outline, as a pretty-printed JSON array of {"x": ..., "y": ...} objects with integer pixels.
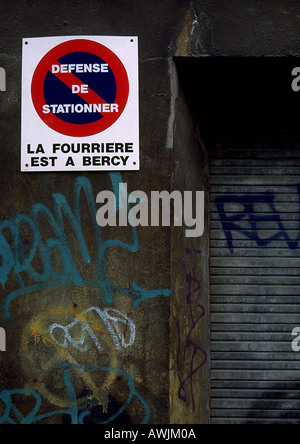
[{"x": 233, "y": 97}]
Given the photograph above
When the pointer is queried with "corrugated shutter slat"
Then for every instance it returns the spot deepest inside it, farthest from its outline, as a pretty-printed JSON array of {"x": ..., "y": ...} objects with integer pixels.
[{"x": 255, "y": 285}]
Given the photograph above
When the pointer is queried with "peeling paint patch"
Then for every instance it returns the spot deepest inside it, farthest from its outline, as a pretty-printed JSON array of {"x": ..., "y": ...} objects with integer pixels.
[
  {"x": 174, "y": 95},
  {"x": 196, "y": 35}
]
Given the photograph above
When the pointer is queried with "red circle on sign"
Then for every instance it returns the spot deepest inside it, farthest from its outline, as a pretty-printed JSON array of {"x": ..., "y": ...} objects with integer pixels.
[{"x": 51, "y": 58}]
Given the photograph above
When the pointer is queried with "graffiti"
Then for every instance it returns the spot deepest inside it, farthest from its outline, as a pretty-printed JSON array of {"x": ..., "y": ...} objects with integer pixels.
[
  {"x": 247, "y": 221},
  {"x": 111, "y": 318},
  {"x": 13, "y": 415},
  {"x": 190, "y": 352},
  {"x": 16, "y": 259},
  {"x": 45, "y": 348},
  {"x": 51, "y": 249}
]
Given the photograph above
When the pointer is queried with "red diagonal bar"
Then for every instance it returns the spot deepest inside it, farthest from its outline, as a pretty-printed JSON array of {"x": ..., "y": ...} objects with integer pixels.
[{"x": 70, "y": 79}]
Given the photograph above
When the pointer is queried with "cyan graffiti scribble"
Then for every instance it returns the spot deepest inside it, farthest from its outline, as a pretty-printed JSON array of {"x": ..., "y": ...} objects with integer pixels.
[
  {"x": 133, "y": 393},
  {"x": 12, "y": 414},
  {"x": 16, "y": 260},
  {"x": 247, "y": 221}
]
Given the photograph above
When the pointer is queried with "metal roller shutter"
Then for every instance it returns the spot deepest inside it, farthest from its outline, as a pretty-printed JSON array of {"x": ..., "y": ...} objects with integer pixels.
[{"x": 255, "y": 283}]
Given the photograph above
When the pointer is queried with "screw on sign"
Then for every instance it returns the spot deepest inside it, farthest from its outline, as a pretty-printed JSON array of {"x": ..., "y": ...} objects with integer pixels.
[{"x": 80, "y": 88}]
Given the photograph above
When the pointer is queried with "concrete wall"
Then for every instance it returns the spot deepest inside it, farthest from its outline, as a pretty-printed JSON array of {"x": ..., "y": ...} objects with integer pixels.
[{"x": 148, "y": 277}]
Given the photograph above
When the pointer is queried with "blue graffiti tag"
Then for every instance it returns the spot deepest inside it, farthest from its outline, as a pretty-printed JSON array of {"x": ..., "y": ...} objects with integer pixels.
[
  {"x": 247, "y": 220},
  {"x": 16, "y": 260},
  {"x": 12, "y": 414}
]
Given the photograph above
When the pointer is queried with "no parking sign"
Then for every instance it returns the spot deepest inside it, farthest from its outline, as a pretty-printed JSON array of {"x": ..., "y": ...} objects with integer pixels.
[{"x": 80, "y": 104}]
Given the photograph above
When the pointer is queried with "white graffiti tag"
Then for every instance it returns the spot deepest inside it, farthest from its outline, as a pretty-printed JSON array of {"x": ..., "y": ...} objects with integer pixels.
[{"x": 112, "y": 319}]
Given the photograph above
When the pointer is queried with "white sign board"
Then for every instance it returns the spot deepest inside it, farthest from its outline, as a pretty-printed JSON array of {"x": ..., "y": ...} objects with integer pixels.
[{"x": 80, "y": 107}]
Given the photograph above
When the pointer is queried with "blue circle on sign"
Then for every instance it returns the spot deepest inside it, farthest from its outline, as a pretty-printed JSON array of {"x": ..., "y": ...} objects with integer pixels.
[{"x": 58, "y": 93}]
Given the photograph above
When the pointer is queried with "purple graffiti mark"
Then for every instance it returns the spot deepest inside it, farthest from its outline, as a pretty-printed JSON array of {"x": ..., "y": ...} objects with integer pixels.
[
  {"x": 198, "y": 359},
  {"x": 193, "y": 252}
]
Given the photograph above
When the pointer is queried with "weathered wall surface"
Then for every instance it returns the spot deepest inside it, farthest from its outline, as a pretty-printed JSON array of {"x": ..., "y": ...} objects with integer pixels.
[{"x": 97, "y": 321}]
